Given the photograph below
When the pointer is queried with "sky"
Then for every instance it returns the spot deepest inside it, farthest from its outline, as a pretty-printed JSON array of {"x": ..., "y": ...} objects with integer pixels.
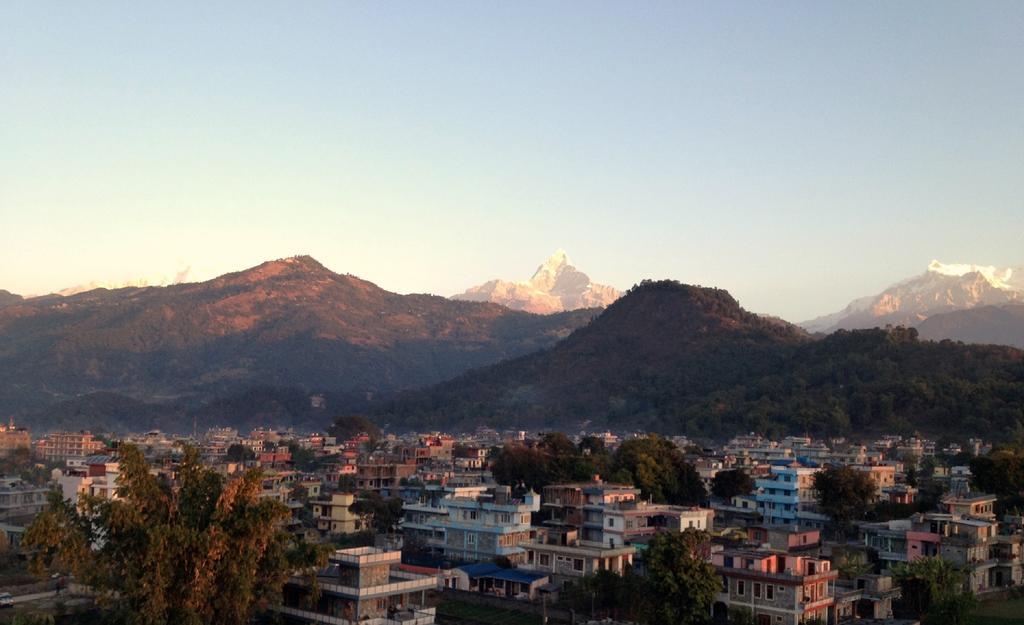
[{"x": 799, "y": 154}]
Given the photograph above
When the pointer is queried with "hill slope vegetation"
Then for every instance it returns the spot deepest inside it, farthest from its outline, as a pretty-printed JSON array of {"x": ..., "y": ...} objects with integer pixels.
[{"x": 683, "y": 359}]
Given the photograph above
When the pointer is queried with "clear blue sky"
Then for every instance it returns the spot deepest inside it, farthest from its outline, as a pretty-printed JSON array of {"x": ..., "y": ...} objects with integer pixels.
[{"x": 798, "y": 154}]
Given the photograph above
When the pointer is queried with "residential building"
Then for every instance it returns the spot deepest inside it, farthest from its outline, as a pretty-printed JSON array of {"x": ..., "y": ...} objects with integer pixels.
[
  {"x": 777, "y": 587},
  {"x": 382, "y": 475},
  {"x": 361, "y": 586},
  {"x": 13, "y": 438},
  {"x": 787, "y": 496},
  {"x": 61, "y": 446},
  {"x": 95, "y": 476},
  {"x": 489, "y": 525},
  {"x": 333, "y": 516},
  {"x": 490, "y": 579},
  {"x": 624, "y": 522},
  {"x": 562, "y": 555},
  {"x": 580, "y": 505},
  {"x": 20, "y": 501}
]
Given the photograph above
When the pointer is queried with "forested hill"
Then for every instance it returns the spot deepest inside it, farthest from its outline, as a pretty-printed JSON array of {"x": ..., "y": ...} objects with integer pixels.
[
  {"x": 683, "y": 359},
  {"x": 284, "y": 323}
]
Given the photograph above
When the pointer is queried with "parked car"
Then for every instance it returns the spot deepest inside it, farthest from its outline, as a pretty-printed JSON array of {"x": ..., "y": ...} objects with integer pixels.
[{"x": 6, "y": 600}]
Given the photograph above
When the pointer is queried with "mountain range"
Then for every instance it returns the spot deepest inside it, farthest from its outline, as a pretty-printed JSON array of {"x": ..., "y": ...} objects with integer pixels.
[
  {"x": 256, "y": 346},
  {"x": 942, "y": 289},
  {"x": 285, "y": 323},
  {"x": 678, "y": 358},
  {"x": 555, "y": 286}
]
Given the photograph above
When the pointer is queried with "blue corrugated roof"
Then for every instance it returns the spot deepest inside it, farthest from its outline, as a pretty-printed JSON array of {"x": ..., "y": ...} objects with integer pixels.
[
  {"x": 479, "y": 570},
  {"x": 515, "y": 575}
]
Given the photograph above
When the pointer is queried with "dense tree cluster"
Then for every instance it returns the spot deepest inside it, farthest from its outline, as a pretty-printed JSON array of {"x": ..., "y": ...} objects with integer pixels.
[
  {"x": 934, "y": 588},
  {"x": 730, "y": 483},
  {"x": 201, "y": 550},
  {"x": 652, "y": 463},
  {"x": 657, "y": 467},
  {"x": 845, "y": 494},
  {"x": 346, "y": 427},
  {"x": 551, "y": 460}
]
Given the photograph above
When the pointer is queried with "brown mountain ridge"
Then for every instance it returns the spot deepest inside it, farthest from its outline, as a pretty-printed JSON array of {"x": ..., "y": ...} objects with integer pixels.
[{"x": 289, "y": 323}]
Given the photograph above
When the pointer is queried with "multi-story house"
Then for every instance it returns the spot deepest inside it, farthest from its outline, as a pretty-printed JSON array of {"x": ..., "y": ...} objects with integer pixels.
[
  {"x": 13, "y": 438},
  {"x": 382, "y": 475},
  {"x": 425, "y": 520},
  {"x": 333, "y": 516},
  {"x": 562, "y": 555},
  {"x": 95, "y": 476},
  {"x": 624, "y": 522},
  {"x": 972, "y": 542},
  {"x": 581, "y": 505},
  {"x": 61, "y": 446},
  {"x": 777, "y": 587},
  {"x": 361, "y": 586},
  {"x": 490, "y": 525},
  {"x": 470, "y": 523},
  {"x": 429, "y": 449},
  {"x": 20, "y": 501},
  {"x": 787, "y": 496}
]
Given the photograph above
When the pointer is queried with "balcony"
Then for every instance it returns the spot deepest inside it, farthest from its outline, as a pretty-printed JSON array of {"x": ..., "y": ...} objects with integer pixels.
[
  {"x": 399, "y": 582},
  {"x": 418, "y": 616}
]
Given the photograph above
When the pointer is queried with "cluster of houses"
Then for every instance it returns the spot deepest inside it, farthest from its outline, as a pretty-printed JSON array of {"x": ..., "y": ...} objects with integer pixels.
[{"x": 461, "y": 532}]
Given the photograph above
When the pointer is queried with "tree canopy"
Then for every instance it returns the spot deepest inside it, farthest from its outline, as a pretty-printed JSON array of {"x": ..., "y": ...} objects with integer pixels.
[
  {"x": 195, "y": 551},
  {"x": 845, "y": 494},
  {"x": 657, "y": 467},
  {"x": 728, "y": 484},
  {"x": 680, "y": 578},
  {"x": 934, "y": 588}
]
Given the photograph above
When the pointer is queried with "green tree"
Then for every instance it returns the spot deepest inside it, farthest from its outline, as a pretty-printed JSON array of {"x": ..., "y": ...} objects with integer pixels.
[
  {"x": 302, "y": 459},
  {"x": 680, "y": 578},
  {"x": 728, "y": 484},
  {"x": 657, "y": 467},
  {"x": 239, "y": 453},
  {"x": 930, "y": 585},
  {"x": 955, "y": 609},
  {"x": 347, "y": 427},
  {"x": 201, "y": 550},
  {"x": 380, "y": 513},
  {"x": 844, "y": 494}
]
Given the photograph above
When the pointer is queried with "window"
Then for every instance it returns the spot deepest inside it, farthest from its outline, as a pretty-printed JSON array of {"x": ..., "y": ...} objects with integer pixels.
[
  {"x": 611, "y": 522},
  {"x": 769, "y": 592},
  {"x": 757, "y": 590},
  {"x": 577, "y": 564},
  {"x": 545, "y": 559},
  {"x": 471, "y": 539},
  {"x": 741, "y": 589}
]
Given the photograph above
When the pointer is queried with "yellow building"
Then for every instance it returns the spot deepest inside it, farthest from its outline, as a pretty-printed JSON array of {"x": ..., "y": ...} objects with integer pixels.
[
  {"x": 333, "y": 516},
  {"x": 12, "y": 438}
]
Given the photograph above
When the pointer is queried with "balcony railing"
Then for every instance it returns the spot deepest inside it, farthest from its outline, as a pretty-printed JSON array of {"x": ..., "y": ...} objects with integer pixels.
[{"x": 420, "y": 616}]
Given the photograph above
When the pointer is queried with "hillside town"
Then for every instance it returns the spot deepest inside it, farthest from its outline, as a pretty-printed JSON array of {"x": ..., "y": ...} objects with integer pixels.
[{"x": 422, "y": 528}]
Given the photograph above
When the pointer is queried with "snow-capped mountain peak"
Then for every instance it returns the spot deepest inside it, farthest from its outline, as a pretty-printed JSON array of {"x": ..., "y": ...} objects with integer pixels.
[
  {"x": 995, "y": 276},
  {"x": 556, "y": 285},
  {"x": 182, "y": 275},
  {"x": 941, "y": 288}
]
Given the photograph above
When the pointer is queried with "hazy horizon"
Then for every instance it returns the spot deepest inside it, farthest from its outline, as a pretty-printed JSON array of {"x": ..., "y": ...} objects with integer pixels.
[{"x": 799, "y": 155}]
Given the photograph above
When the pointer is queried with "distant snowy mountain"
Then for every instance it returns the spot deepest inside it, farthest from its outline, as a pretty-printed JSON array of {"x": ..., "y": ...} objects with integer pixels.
[
  {"x": 181, "y": 276},
  {"x": 556, "y": 286},
  {"x": 943, "y": 288}
]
